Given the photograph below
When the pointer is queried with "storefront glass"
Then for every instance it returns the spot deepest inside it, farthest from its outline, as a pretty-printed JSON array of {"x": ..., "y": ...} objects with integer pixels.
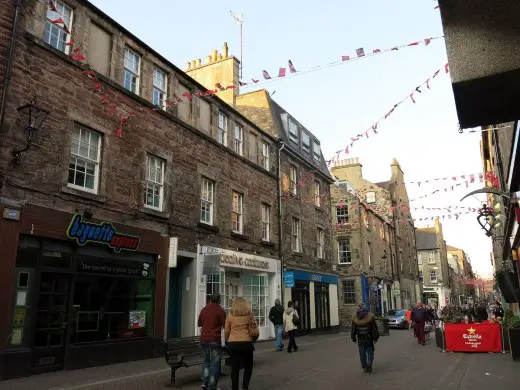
[{"x": 257, "y": 291}]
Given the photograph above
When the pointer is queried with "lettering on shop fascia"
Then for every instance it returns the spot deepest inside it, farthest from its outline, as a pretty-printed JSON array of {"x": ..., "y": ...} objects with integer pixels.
[{"x": 237, "y": 260}]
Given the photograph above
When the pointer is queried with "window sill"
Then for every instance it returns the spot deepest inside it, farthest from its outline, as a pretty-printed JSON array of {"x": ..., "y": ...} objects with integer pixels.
[
  {"x": 318, "y": 208},
  {"x": 212, "y": 228},
  {"x": 155, "y": 213},
  {"x": 299, "y": 254},
  {"x": 267, "y": 243},
  {"x": 345, "y": 263},
  {"x": 240, "y": 236},
  {"x": 83, "y": 194}
]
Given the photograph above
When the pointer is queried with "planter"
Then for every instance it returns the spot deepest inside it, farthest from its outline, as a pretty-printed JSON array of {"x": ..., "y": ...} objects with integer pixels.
[
  {"x": 505, "y": 339},
  {"x": 514, "y": 342}
]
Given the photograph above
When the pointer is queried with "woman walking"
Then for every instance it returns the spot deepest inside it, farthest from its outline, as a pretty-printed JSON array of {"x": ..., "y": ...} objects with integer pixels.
[
  {"x": 241, "y": 331},
  {"x": 290, "y": 322}
]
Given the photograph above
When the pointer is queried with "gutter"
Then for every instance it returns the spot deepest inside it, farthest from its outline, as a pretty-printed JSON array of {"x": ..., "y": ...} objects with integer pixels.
[
  {"x": 9, "y": 70},
  {"x": 281, "y": 147}
]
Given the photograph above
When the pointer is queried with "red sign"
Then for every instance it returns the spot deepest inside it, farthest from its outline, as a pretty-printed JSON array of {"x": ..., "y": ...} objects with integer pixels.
[
  {"x": 473, "y": 337},
  {"x": 447, "y": 300}
]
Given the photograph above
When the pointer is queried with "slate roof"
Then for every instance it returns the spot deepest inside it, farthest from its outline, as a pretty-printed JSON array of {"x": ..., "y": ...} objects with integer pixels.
[{"x": 425, "y": 240}]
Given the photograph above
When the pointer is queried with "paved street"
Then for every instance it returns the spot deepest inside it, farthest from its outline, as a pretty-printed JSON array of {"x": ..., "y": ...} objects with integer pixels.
[{"x": 323, "y": 362}]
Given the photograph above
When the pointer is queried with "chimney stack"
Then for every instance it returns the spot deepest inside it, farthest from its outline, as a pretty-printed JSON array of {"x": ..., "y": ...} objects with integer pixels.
[
  {"x": 225, "y": 51},
  {"x": 214, "y": 55}
]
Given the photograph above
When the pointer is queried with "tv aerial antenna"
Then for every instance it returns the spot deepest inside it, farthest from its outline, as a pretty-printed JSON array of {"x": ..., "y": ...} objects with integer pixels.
[{"x": 240, "y": 21}]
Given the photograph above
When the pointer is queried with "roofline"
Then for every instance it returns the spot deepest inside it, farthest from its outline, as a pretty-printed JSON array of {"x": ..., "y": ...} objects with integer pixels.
[{"x": 308, "y": 164}]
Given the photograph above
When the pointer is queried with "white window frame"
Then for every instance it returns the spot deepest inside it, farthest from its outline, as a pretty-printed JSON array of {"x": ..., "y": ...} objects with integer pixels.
[
  {"x": 161, "y": 90},
  {"x": 296, "y": 233},
  {"x": 351, "y": 292},
  {"x": 260, "y": 300},
  {"x": 293, "y": 179},
  {"x": 316, "y": 154},
  {"x": 222, "y": 128},
  {"x": 238, "y": 212},
  {"x": 306, "y": 142},
  {"x": 207, "y": 200},
  {"x": 239, "y": 139},
  {"x": 96, "y": 161},
  {"x": 433, "y": 279},
  {"x": 266, "y": 222},
  {"x": 431, "y": 258},
  {"x": 369, "y": 254},
  {"x": 344, "y": 251},
  {"x": 293, "y": 136},
  {"x": 266, "y": 156},
  {"x": 320, "y": 243},
  {"x": 370, "y": 197},
  {"x": 317, "y": 193},
  {"x": 133, "y": 72},
  {"x": 342, "y": 214},
  {"x": 57, "y": 15},
  {"x": 152, "y": 183}
]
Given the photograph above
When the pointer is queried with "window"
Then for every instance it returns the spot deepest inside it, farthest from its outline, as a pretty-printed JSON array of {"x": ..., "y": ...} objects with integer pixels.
[
  {"x": 132, "y": 69},
  {"x": 369, "y": 254},
  {"x": 207, "y": 190},
  {"x": 317, "y": 152},
  {"x": 306, "y": 142},
  {"x": 239, "y": 140},
  {"x": 320, "y": 244},
  {"x": 344, "y": 253},
  {"x": 154, "y": 190},
  {"x": 238, "y": 200},
  {"x": 317, "y": 194},
  {"x": 342, "y": 214},
  {"x": 293, "y": 131},
  {"x": 85, "y": 155},
  {"x": 433, "y": 276},
  {"x": 421, "y": 276},
  {"x": 293, "y": 178},
  {"x": 58, "y": 34},
  {"x": 214, "y": 285},
  {"x": 256, "y": 289},
  {"x": 265, "y": 156},
  {"x": 160, "y": 82},
  {"x": 349, "y": 292},
  {"x": 431, "y": 257},
  {"x": 266, "y": 222},
  {"x": 222, "y": 128},
  {"x": 296, "y": 235},
  {"x": 371, "y": 197}
]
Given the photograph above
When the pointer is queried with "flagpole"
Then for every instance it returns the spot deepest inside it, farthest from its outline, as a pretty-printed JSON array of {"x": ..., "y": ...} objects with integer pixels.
[{"x": 240, "y": 20}]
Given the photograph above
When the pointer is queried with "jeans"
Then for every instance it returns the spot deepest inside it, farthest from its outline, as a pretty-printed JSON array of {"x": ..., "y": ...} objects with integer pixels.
[
  {"x": 211, "y": 370},
  {"x": 278, "y": 332},
  {"x": 292, "y": 342},
  {"x": 366, "y": 353},
  {"x": 241, "y": 357}
]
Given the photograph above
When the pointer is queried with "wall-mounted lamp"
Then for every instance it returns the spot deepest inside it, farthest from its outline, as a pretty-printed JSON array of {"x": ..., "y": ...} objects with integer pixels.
[{"x": 32, "y": 118}]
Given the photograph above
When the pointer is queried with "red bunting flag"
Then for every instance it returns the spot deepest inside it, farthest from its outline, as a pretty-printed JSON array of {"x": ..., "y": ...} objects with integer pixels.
[
  {"x": 266, "y": 75},
  {"x": 360, "y": 52},
  {"x": 255, "y": 81},
  {"x": 413, "y": 44},
  {"x": 187, "y": 95},
  {"x": 436, "y": 74},
  {"x": 345, "y": 58},
  {"x": 241, "y": 83},
  {"x": 447, "y": 67},
  {"x": 281, "y": 72},
  {"x": 219, "y": 86},
  {"x": 70, "y": 42},
  {"x": 78, "y": 57},
  {"x": 57, "y": 21},
  {"x": 52, "y": 7},
  {"x": 291, "y": 67},
  {"x": 374, "y": 127},
  {"x": 389, "y": 113},
  {"x": 428, "y": 83},
  {"x": 411, "y": 97},
  {"x": 427, "y": 41},
  {"x": 376, "y": 51}
]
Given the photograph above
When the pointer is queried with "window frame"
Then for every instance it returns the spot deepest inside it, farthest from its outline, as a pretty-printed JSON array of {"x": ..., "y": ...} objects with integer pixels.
[
  {"x": 320, "y": 243},
  {"x": 150, "y": 156},
  {"x": 316, "y": 155},
  {"x": 431, "y": 258},
  {"x": 266, "y": 161},
  {"x": 97, "y": 162},
  {"x": 306, "y": 147},
  {"x": 373, "y": 199},
  {"x": 421, "y": 276},
  {"x": 296, "y": 235},
  {"x": 339, "y": 218},
  {"x": 137, "y": 75},
  {"x": 369, "y": 245},
  {"x": 347, "y": 252},
  {"x": 434, "y": 272},
  {"x": 317, "y": 193},
  {"x": 293, "y": 137},
  {"x": 210, "y": 202},
  {"x": 238, "y": 212},
  {"x": 239, "y": 142},
  {"x": 266, "y": 222},
  {"x": 68, "y": 35},
  {"x": 347, "y": 293},
  {"x": 293, "y": 179},
  {"x": 222, "y": 131},
  {"x": 164, "y": 92}
]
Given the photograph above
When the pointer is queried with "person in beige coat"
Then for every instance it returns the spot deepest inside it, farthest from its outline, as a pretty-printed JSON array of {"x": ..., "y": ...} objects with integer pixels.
[{"x": 291, "y": 320}]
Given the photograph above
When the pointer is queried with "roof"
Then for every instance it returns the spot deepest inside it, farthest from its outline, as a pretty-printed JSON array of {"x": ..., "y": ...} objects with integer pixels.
[
  {"x": 426, "y": 240},
  {"x": 452, "y": 248}
]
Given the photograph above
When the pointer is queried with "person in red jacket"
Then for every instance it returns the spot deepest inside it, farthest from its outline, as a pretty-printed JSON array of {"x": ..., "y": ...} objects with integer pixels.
[{"x": 212, "y": 319}]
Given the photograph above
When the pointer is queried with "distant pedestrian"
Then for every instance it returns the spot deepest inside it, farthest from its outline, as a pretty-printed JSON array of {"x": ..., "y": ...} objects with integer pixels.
[
  {"x": 419, "y": 317},
  {"x": 241, "y": 331},
  {"x": 291, "y": 320},
  {"x": 212, "y": 319},
  {"x": 276, "y": 317},
  {"x": 364, "y": 331},
  {"x": 498, "y": 312}
]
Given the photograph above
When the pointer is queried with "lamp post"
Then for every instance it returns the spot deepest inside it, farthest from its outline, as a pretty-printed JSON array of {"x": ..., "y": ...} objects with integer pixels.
[{"x": 32, "y": 118}]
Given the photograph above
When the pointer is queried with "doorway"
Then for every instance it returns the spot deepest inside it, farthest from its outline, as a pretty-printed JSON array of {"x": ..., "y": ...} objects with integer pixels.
[
  {"x": 301, "y": 301},
  {"x": 321, "y": 299}
]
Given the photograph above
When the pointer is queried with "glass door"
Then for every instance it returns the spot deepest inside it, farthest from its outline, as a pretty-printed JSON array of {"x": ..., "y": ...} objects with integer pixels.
[
  {"x": 301, "y": 301},
  {"x": 51, "y": 321}
]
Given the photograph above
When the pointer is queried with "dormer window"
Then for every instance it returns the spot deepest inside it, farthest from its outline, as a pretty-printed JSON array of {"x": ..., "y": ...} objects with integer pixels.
[
  {"x": 293, "y": 131},
  {"x": 317, "y": 152},
  {"x": 306, "y": 142}
]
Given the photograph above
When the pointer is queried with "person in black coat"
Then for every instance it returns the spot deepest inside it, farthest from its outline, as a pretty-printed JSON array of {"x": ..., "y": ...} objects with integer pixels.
[
  {"x": 276, "y": 317},
  {"x": 364, "y": 331}
]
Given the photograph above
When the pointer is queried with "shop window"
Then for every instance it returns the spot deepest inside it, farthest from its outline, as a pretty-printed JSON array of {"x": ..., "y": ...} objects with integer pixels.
[
  {"x": 349, "y": 292},
  {"x": 256, "y": 289},
  {"x": 214, "y": 284}
]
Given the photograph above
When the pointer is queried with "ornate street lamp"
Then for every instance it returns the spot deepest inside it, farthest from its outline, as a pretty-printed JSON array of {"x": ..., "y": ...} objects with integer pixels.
[
  {"x": 486, "y": 219},
  {"x": 32, "y": 118}
]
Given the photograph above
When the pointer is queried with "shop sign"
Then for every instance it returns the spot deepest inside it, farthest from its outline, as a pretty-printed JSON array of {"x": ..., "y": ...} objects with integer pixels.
[
  {"x": 104, "y": 233},
  {"x": 289, "y": 279},
  {"x": 245, "y": 261},
  {"x": 143, "y": 270}
]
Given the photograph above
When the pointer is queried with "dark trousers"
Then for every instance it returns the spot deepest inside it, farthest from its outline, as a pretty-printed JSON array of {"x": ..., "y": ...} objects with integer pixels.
[
  {"x": 241, "y": 358},
  {"x": 419, "y": 329},
  {"x": 292, "y": 342},
  {"x": 366, "y": 353}
]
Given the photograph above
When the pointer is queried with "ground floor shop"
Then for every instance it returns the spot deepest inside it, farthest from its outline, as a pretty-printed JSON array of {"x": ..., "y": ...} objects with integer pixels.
[
  {"x": 78, "y": 291},
  {"x": 315, "y": 296},
  {"x": 438, "y": 296},
  {"x": 230, "y": 273}
]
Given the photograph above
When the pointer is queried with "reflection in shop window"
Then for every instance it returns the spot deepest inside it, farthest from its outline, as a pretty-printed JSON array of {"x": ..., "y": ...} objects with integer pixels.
[{"x": 256, "y": 289}]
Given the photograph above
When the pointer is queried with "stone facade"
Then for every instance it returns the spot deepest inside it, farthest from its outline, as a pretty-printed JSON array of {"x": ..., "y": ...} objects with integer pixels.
[{"x": 466, "y": 270}]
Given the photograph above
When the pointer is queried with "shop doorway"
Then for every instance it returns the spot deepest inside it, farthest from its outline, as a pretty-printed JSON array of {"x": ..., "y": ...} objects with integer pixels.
[
  {"x": 300, "y": 298},
  {"x": 51, "y": 322},
  {"x": 321, "y": 299}
]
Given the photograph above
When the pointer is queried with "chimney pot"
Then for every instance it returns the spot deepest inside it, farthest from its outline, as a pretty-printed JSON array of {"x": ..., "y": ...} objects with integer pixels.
[
  {"x": 199, "y": 61},
  {"x": 226, "y": 50},
  {"x": 193, "y": 64},
  {"x": 219, "y": 56},
  {"x": 214, "y": 55},
  {"x": 208, "y": 59},
  {"x": 188, "y": 65}
]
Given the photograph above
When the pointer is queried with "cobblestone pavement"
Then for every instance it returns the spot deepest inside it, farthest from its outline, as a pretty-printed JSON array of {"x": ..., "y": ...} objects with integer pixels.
[{"x": 323, "y": 362}]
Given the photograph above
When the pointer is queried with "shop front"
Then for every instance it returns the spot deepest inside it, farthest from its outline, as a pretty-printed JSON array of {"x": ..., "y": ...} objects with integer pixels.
[
  {"x": 82, "y": 293},
  {"x": 315, "y": 297},
  {"x": 237, "y": 274}
]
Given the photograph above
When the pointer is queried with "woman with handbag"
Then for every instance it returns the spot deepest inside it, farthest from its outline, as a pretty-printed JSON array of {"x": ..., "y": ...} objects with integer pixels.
[
  {"x": 241, "y": 331},
  {"x": 291, "y": 320}
]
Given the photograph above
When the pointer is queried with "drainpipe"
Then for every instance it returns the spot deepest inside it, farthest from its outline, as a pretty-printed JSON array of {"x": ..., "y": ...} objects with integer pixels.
[
  {"x": 397, "y": 257},
  {"x": 9, "y": 70},
  {"x": 281, "y": 146}
]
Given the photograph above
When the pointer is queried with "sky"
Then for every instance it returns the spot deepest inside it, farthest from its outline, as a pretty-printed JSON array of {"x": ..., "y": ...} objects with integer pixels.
[{"x": 337, "y": 103}]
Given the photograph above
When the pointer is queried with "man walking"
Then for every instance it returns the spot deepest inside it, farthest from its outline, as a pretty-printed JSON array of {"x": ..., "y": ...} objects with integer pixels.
[
  {"x": 364, "y": 331},
  {"x": 276, "y": 317},
  {"x": 212, "y": 319},
  {"x": 419, "y": 317}
]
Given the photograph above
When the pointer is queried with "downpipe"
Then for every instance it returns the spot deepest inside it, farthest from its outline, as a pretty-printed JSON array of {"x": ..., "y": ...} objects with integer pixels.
[{"x": 281, "y": 146}]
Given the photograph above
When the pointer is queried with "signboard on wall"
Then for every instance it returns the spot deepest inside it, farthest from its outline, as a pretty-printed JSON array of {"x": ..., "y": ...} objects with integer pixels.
[
  {"x": 172, "y": 252},
  {"x": 211, "y": 264},
  {"x": 289, "y": 279}
]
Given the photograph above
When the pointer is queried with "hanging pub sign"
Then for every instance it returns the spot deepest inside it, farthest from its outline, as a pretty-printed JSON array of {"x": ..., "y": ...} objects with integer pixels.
[{"x": 104, "y": 233}]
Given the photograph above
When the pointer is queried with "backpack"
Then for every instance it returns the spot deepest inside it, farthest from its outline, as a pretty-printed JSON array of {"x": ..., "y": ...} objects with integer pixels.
[{"x": 295, "y": 319}]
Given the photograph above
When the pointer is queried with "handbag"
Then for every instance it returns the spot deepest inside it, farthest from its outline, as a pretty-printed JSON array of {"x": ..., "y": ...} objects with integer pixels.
[
  {"x": 253, "y": 329},
  {"x": 295, "y": 319}
]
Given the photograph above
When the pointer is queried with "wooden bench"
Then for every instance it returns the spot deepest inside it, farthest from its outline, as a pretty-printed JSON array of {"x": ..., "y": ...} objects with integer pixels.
[{"x": 184, "y": 352}]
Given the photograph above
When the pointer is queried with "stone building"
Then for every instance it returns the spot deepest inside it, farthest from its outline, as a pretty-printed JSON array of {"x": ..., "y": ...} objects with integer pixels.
[
  {"x": 390, "y": 201},
  {"x": 457, "y": 279},
  {"x": 467, "y": 288},
  {"x": 363, "y": 248},
  {"x": 113, "y": 205},
  {"x": 433, "y": 265}
]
